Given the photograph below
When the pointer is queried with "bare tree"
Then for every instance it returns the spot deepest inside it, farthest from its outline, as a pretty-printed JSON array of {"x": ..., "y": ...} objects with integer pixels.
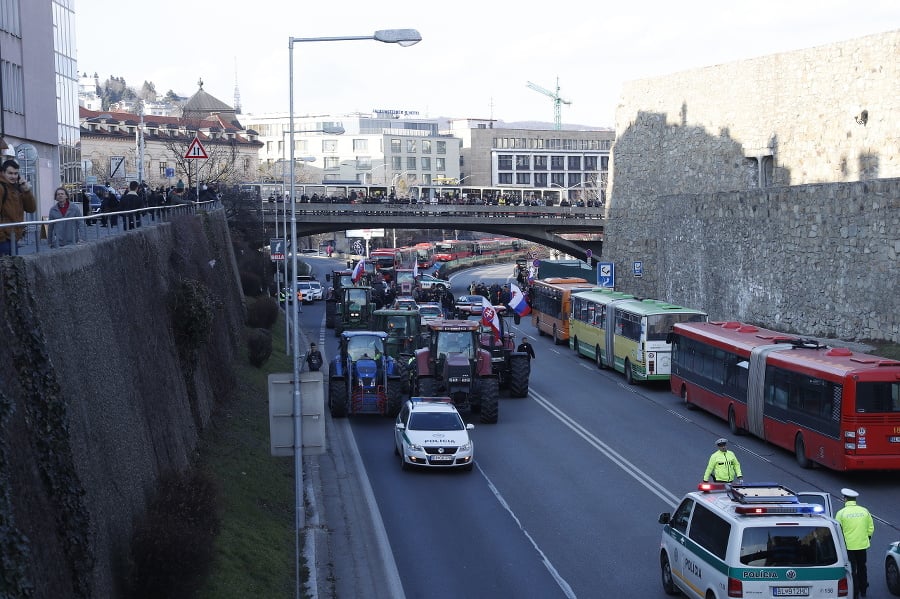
[{"x": 220, "y": 166}]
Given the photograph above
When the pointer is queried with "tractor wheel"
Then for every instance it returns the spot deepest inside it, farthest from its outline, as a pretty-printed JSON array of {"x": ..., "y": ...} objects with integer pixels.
[
  {"x": 394, "y": 397},
  {"x": 329, "y": 315},
  {"x": 490, "y": 404},
  {"x": 519, "y": 371},
  {"x": 337, "y": 397}
]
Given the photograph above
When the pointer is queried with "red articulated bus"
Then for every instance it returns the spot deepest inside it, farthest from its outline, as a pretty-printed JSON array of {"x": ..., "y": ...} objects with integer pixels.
[
  {"x": 828, "y": 405},
  {"x": 453, "y": 249}
]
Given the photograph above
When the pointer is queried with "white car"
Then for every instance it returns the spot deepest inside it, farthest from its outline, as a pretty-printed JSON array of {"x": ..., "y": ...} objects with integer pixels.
[
  {"x": 430, "y": 311},
  {"x": 430, "y": 282},
  {"x": 430, "y": 432},
  {"x": 892, "y": 568},
  {"x": 305, "y": 288},
  {"x": 316, "y": 290}
]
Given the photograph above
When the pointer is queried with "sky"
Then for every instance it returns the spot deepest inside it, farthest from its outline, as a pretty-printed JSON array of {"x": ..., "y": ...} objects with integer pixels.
[{"x": 475, "y": 58}]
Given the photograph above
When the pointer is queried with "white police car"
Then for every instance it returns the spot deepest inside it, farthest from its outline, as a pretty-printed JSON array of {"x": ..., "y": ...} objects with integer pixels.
[
  {"x": 892, "y": 568},
  {"x": 430, "y": 432},
  {"x": 753, "y": 540}
]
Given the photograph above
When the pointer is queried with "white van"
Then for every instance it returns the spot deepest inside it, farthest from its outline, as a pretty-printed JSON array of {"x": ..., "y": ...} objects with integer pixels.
[{"x": 753, "y": 540}]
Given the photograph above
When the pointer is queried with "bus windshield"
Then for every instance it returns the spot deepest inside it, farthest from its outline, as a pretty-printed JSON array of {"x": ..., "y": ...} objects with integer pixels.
[{"x": 660, "y": 325}]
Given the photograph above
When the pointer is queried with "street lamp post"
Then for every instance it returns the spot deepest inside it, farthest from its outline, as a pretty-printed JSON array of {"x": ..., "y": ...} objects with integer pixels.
[{"x": 403, "y": 37}]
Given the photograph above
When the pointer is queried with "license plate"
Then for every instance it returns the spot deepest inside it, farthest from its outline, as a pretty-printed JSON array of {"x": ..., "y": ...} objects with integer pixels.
[
  {"x": 894, "y": 439},
  {"x": 790, "y": 591},
  {"x": 442, "y": 458}
]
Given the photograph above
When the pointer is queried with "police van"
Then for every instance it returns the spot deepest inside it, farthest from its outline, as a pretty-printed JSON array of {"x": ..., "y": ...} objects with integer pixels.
[{"x": 753, "y": 540}]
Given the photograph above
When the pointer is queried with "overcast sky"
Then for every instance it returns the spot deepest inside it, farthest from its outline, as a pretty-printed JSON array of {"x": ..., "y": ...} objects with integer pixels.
[{"x": 475, "y": 58}]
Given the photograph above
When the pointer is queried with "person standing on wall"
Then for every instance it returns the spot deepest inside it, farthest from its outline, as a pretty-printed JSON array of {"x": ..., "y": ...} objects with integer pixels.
[
  {"x": 857, "y": 525},
  {"x": 16, "y": 198},
  {"x": 65, "y": 226}
]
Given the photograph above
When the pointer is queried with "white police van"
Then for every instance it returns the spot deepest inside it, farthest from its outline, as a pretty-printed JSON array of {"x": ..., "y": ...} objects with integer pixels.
[{"x": 753, "y": 540}]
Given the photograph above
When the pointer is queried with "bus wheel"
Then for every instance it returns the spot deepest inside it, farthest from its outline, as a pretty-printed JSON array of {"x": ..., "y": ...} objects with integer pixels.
[
  {"x": 629, "y": 377},
  {"x": 686, "y": 399},
  {"x": 732, "y": 422},
  {"x": 599, "y": 356},
  {"x": 800, "y": 452}
]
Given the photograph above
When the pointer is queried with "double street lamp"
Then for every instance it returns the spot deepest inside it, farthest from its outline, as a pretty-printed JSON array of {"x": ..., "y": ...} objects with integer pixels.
[{"x": 403, "y": 37}]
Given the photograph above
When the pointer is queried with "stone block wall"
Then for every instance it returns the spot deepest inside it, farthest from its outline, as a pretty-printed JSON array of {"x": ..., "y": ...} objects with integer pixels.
[
  {"x": 100, "y": 395},
  {"x": 755, "y": 191}
]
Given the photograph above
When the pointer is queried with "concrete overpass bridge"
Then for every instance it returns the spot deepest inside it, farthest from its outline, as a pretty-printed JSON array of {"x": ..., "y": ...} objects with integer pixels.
[{"x": 571, "y": 230}]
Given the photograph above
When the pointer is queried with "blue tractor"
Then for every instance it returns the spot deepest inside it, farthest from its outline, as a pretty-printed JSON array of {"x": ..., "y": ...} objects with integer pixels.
[{"x": 362, "y": 379}]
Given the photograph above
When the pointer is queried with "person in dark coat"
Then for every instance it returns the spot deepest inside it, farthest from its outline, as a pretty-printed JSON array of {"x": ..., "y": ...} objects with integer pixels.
[
  {"x": 526, "y": 348},
  {"x": 131, "y": 201}
]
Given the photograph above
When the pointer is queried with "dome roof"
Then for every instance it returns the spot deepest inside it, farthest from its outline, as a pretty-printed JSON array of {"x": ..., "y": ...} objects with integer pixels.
[{"x": 202, "y": 104}]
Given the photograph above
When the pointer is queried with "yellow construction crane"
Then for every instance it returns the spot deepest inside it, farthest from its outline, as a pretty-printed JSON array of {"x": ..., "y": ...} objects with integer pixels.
[{"x": 557, "y": 102}]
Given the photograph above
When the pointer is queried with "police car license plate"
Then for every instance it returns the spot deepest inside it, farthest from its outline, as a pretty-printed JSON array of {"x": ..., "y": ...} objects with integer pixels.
[
  {"x": 441, "y": 458},
  {"x": 790, "y": 591}
]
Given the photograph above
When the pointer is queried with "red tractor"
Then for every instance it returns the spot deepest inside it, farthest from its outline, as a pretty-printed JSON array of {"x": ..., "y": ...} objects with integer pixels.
[{"x": 454, "y": 365}]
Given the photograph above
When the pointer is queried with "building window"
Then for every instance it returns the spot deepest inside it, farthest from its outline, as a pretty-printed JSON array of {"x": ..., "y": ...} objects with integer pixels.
[
  {"x": 13, "y": 84},
  {"x": 410, "y": 163},
  {"x": 540, "y": 163},
  {"x": 162, "y": 169},
  {"x": 604, "y": 163},
  {"x": 426, "y": 146},
  {"x": 442, "y": 147},
  {"x": 426, "y": 163},
  {"x": 329, "y": 145},
  {"x": 574, "y": 163},
  {"x": 557, "y": 163},
  {"x": 523, "y": 163},
  {"x": 360, "y": 145},
  {"x": 574, "y": 179},
  {"x": 504, "y": 178},
  {"x": 557, "y": 180},
  {"x": 364, "y": 163},
  {"x": 540, "y": 179},
  {"x": 590, "y": 163},
  {"x": 439, "y": 164},
  {"x": 396, "y": 146},
  {"x": 426, "y": 179},
  {"x": 396, "y": 163},
  {"x": 331, "y": 162},
  {"x": 523, "y": 178},
  {"x": 411, "y": 145},
  {"x": 504, "y": 162}
]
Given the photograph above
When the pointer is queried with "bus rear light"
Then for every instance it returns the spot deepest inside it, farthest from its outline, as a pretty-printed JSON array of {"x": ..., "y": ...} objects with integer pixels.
[{"x": 735, "y": 588}]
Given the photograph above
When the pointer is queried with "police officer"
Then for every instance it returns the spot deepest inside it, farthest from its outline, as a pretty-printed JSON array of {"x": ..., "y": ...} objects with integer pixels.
[
  {"x": 723, "y": 465},
  {"x": 857, "y": 525}
]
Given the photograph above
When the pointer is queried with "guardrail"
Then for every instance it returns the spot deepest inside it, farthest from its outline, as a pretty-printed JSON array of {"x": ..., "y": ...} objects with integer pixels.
[{"x": 35, "y": 238}]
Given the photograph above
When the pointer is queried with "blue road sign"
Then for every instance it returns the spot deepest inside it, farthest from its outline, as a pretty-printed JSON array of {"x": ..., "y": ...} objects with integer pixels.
[
  {"x": 606, "y": 275},
  {"x": 638, "y": 268},
  {"x": 276, "y": 248}
]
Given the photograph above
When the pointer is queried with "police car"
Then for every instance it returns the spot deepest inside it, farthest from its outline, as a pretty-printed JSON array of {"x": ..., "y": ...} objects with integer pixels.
[
  {"x": 753, "y": 540},
  {"x": 892, "y": 568},
  {"x": 430, "y": 432}
]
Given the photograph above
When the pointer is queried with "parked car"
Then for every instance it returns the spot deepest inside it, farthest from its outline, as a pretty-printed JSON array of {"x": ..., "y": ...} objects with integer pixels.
[
  {"x": 316, "y": 290},
  {"x": 892, "y": 568}
]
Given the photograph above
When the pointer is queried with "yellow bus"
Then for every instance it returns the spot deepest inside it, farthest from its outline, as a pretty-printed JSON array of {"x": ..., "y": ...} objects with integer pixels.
[
  {"x": 632, "y": 335},
  {"x": 587, "y": 325},
  {"x": 550, "y": 305}
]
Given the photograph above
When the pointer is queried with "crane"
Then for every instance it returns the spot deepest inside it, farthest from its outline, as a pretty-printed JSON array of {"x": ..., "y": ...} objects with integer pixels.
[{"x": 557, "y": 101}]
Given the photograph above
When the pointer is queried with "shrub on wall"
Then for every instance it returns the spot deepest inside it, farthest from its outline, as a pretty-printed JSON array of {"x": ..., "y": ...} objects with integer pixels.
[
  {"x": 262, "y": 313},
  {"x": 251, "y": 283},
  {"x": 172, "y": 547},
  {"x": 192, "y": 314},
  {"x": 259, "y": 346}
]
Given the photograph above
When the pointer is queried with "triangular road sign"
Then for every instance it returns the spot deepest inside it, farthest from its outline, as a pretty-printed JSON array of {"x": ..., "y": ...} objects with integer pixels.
[{"x": 196, "y": 150}]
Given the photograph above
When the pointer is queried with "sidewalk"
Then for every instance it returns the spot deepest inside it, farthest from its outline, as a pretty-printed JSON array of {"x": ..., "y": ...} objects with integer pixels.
[{"x": 346, "y": 546}]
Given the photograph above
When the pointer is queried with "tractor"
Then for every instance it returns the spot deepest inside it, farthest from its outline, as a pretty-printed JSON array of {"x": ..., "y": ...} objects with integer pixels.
[
  {"x": 513, "y": 368},
  {"x": 338, "y": 279},
  {"x": 353, "y": 310},
  {"x": 362, "y": 379},
  {"x": 404, "y": 335},
  {"x": 453, "y": 365}
]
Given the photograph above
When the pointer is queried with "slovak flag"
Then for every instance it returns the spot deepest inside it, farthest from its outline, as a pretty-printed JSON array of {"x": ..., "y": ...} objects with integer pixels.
[
  {"x": 358, "y": 271},
  {"x": 518, "y": 303},
  {"x": 489, "y": 317}
]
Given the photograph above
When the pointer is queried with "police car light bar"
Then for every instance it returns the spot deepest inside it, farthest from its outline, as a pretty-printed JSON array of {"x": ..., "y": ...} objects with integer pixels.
[
  {"x": 711, "y": 487},
  {"x": 771, "y": 510}
]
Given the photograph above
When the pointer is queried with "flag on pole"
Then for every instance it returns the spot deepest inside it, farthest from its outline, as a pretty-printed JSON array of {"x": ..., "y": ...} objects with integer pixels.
[
  {"x": 518, "y": 302},
  {"x": 415, "y": 267},
  {"x": 358, "y": 271},
  {"x": 489, "y": 317}
]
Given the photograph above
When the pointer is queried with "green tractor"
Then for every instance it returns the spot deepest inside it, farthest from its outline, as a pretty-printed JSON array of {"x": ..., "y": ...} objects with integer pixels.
[
  {"x": 353, "y": 310},
  {"x": 338, "y": 279}
]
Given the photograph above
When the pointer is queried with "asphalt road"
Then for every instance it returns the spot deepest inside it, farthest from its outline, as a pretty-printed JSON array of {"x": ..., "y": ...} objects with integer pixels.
[{"x": 569, "y": 484}]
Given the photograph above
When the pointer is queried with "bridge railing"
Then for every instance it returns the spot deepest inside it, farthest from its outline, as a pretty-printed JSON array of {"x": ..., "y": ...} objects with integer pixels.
[{"x": 437, "y": 210}]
